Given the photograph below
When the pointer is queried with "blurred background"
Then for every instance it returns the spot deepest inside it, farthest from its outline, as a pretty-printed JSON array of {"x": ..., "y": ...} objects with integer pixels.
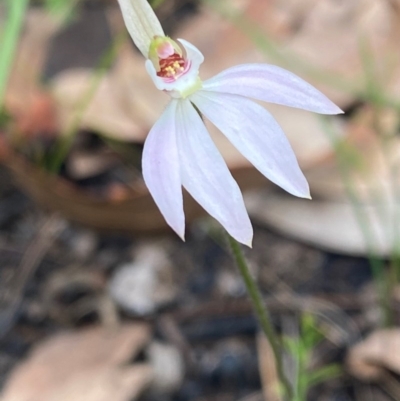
[{"x": 99, "y": 300}]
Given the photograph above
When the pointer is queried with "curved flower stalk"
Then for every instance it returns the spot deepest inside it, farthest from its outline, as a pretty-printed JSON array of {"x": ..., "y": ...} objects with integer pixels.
[{"x": 179, "y": 151}]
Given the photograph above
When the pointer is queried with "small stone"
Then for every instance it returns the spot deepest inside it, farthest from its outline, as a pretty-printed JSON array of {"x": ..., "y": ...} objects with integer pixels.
[
  {"x": 168, "y": 368},
  {"x": 145, "y": 284},
  {"x": 84, "y": 244}
]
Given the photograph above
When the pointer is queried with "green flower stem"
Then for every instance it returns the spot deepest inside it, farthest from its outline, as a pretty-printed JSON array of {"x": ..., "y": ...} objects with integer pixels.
[{"x": 261, "y": 312}]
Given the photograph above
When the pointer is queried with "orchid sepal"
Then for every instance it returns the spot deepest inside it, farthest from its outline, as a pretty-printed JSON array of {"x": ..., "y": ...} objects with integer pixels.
[{"x": 141, "y": 22}]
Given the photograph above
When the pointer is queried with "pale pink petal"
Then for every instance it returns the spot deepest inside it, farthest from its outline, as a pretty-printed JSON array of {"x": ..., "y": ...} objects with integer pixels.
[
  {"x": 192, "y": 53},
  {"x": 256, "y": 134},
  {"x": 273, "y": 84},
  {"x": 207, "y": 178},
  {"x": 161, "y": 169}
]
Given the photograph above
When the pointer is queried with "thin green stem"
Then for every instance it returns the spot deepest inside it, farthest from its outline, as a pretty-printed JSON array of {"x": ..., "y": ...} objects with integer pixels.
[
  {"x": 9, "y": 39},
  {"x": 261, "y": 312}
]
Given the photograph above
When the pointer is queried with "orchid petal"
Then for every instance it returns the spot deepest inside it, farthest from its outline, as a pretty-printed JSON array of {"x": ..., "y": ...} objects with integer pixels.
[
  {"x": 207, "y": 178},
  {"x": 192, "y": 53},
  {"x": 141, "y": 22},
  {"x": 272, "y": 84},
  {"x": 256, "y": 134},
  {"x": 161, "y": 171}
]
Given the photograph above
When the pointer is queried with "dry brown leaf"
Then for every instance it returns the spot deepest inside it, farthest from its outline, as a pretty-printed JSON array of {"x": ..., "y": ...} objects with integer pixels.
[
  {"x": 334, "y": 36},
  {"x": 380, "y": 351},
  {"x": 331, "y": 225},
  {"x": 89, "y": 365},
  {"x": 105, "y": 113}
]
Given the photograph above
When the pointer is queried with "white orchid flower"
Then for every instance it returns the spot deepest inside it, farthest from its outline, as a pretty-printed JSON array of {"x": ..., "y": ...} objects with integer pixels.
[{"x": 179, "y": 151}]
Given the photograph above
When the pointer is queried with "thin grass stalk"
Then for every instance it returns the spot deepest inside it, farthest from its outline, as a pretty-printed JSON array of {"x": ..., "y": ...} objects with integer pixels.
[{"x": 15, "y": 13}]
